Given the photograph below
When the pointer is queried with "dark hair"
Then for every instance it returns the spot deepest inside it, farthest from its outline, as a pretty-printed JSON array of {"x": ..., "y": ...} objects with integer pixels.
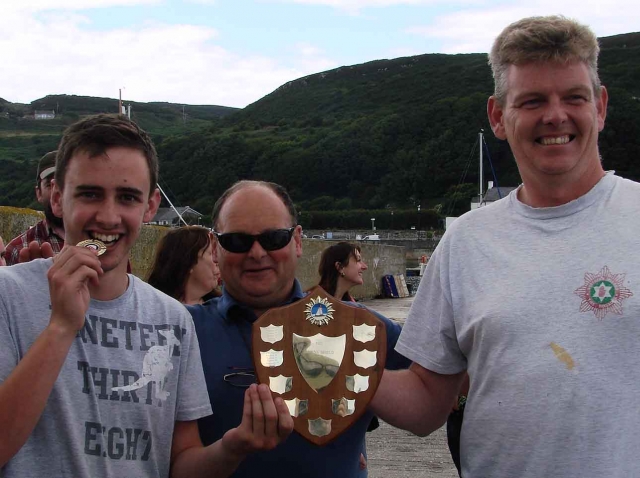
[
  {"x": 275, "y": 188},
  {"x": 95, "y": 134},
  {"x": 177, "y": 252},
  {"x": 340, "y": 252}
]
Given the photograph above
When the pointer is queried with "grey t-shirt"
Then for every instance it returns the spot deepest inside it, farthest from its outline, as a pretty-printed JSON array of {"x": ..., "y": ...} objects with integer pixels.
[
  {"x": 542, "y": 306},
  {"x": 131, "y": 373}
]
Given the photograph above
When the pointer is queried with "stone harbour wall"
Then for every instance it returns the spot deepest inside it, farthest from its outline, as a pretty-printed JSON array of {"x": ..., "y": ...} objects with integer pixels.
[{"x": 380, "y": 259}]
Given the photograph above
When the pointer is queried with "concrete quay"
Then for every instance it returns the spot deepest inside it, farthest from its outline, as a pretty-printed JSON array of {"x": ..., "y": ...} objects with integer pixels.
[
  {"x": 394, "y": 309},
  {"x": 394, "y": 453}
]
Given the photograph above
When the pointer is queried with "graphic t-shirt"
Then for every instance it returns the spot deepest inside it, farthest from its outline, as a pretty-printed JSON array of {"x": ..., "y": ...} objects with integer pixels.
[{"x": 133, "y": 370}]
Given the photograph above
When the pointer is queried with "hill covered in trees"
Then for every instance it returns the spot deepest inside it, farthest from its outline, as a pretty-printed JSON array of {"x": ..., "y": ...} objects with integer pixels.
[
  {"x": 23, "y": 140},
  {"x": 385, "y": 135}
]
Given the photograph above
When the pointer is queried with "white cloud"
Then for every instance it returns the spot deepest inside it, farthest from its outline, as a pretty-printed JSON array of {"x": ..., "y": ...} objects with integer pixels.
[
  {"x": 404, "y": 51},
  {"x": 60, "y": 53},
  {"x": 359, "y": 4},
  {"x": 41, "y": 5},
  {"x": 473, "y": 30},
  {"x": 47, "y": 50},
  {"x": 311, "y": 59},
  {"x": 202, "y": 2},
  {"x": 354, "y": 7},
  {"x": 308, "y": 50}
]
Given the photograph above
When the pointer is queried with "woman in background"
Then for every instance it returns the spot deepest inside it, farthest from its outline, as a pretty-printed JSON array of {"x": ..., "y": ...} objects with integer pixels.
[
  {"x": 341, "y": 267},
  {"x": 183, "y": 266}
]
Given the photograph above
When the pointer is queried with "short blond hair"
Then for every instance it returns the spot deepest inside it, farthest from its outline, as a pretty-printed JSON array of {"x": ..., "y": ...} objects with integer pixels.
[{"x": 543, "y": 39}]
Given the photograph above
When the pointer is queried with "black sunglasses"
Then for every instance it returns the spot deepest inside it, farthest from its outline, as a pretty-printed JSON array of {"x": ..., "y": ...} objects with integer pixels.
[{"x": 270, "y": 240}]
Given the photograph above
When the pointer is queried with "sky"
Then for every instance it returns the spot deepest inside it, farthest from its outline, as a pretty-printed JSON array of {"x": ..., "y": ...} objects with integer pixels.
[{"x": 234, "y": 52}]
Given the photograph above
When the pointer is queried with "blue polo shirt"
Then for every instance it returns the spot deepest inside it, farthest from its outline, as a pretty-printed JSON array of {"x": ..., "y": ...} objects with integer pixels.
[{"x": 224, "y": 333}]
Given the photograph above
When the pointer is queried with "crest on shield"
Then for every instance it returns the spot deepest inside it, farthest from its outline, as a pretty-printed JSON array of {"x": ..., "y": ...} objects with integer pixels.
[{"x": 325, "y": 358}]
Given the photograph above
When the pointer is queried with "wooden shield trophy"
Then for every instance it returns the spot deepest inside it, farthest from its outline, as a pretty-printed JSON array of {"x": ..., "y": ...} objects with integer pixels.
[{"x": 324, "y": 358}]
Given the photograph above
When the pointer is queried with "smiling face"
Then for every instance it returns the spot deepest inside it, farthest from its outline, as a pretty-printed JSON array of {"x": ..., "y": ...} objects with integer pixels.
[
  {"x": 353, "y": 270},
  {"x": 551, "y": 118},
  {"x": 258, "y": 278},
  {"x": 106, "y": 198}
]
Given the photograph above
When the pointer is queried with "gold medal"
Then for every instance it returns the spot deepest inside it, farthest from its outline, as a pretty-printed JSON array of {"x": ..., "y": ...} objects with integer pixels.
[{"x": 93, "y": 244}]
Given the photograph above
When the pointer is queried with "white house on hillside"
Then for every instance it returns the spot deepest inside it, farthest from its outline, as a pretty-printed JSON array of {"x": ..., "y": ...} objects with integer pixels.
[
  {"x": 44, "y": 114},
  {"x": 166, "y": 216}
]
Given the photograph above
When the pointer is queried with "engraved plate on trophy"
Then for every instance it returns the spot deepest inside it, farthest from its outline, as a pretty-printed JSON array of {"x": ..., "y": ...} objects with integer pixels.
[
  {"x": 297, "y": 407},
  {"x": 331, "y": 362},
  {"x": 343, "y": 407},
  {"x": 271, "y": 358},
  {"x": 319, "y": 427},
  {"x": 280, "y": 384},
  {"x": 365, "y": 358},
  {"x": 364, "y": 333},
  {"x": 318, "y": 358},
  {"x": 357, "y": 383},
  {"x": 272, "y": 333}
]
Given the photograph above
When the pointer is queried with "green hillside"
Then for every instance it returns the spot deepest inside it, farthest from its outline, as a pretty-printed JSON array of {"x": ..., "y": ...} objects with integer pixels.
[
  {"x": 381, "y": 135},
  {"x": 384, "y": 134},
  {"x": 24, "y": 140}
]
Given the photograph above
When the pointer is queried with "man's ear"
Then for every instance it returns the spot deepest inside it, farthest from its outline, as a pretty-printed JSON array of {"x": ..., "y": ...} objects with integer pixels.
[
  {"x": 601, "y": 107},
  {"x": 56, "y": 199},
  {"x": 152, "y": 206},
  {"x": 496, "y": 117}
]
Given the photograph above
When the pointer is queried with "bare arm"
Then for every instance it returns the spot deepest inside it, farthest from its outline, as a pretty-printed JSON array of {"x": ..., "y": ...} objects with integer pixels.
[
  {"x": 416, "y": 399},
  {"x": 24, "y": 394},
  {"x": 265, "y": 424}
]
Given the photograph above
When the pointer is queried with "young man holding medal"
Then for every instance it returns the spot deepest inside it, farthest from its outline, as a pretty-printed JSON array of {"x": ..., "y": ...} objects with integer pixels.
[{"x": 100, "y": 374}]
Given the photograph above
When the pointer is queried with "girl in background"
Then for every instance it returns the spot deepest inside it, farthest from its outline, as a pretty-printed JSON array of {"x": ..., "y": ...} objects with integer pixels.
[
  {"x": 341, "y": 267},
  {"x": 183, "y": 266}
]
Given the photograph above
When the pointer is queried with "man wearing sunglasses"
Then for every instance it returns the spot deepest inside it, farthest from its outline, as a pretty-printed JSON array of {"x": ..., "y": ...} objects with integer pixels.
[{"x": 258, "y": 246}]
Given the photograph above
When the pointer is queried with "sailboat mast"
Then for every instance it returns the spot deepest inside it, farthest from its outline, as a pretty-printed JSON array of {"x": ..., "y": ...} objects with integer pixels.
[{"x": 481, "y": 176}]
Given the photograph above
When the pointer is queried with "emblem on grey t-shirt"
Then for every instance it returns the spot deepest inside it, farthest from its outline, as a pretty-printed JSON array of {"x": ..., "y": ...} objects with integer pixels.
[
  {"x": 156, "y": 366},
  {"x": 603, "y": 292}
]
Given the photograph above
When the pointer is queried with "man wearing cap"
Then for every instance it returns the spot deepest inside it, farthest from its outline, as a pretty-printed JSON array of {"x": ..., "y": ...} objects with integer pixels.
[{"x": 50, "y": 230}]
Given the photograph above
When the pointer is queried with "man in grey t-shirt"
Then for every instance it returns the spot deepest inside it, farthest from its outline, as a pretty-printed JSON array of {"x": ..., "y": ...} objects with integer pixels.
[
  {"x": 100, "y": 374},
  {"x": 536, "y": 295}
]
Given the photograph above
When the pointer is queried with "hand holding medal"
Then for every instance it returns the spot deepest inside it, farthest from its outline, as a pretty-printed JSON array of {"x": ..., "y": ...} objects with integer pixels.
[{"x": 94, "y": 245}]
